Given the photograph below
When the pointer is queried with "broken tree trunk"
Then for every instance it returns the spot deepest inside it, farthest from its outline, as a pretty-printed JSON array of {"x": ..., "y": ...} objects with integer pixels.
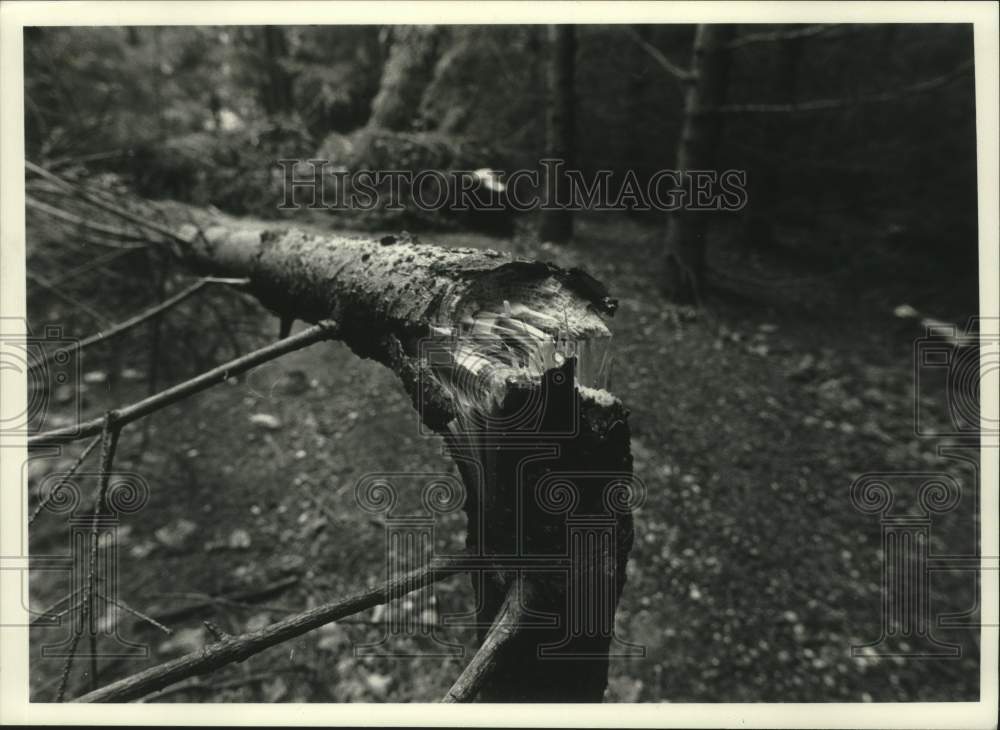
[
  {"x": 687, "y": 230},
  {"x": 505, "y": 358}
]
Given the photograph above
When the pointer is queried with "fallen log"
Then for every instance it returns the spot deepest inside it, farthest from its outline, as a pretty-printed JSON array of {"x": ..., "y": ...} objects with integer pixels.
[{"x": 505, "y": 358}]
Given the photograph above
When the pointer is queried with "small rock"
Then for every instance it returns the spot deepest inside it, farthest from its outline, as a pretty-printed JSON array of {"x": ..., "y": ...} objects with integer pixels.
[
  {"x": 805, "y": 369},
  {"x": 274, "y": 690},
  {"x": 378, "y": 684},
  {"x": 265, "y": 421},
  {"x": 176, "y": 534},
  {"x": 239, "y": 539},
  {"x": 142, "y": 549},
  {"x": 95, "y": 377}
]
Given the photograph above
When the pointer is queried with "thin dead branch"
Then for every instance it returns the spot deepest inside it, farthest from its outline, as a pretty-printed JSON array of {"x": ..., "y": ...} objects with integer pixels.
[
  {"x": 506, "y": 626},
  {"x": 103, "y": 229},
  {"x": 138, "y": 319},
  {"x": 809, "y": 31},
  {"x": 44, "y": 501},
  {"x": 681, "y": 74},
  {"x": 143, "y": 223},
  {"x": 819, "y": 105},
  {"x": 239, "y": 648},
  {"x": 128, "y": 414}
]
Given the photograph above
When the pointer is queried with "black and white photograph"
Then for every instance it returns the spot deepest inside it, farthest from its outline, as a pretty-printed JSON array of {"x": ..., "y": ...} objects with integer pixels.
[{"x": 633, "y": 354}]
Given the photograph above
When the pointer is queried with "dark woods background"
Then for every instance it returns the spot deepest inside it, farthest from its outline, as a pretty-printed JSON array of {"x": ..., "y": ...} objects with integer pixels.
[
  {"x": 200, "y": 114},
  {"x": 751, "y": 413}
]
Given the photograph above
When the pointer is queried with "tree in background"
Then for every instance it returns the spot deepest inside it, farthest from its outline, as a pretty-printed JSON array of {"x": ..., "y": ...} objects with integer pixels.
[
  {"x": 276, "y": 85},
  {"x": 557, "y": 224},
  {"x": 775, "y": 169},
  {"x": 407, "y": 73},
  {"x": 700, "y": 137}
]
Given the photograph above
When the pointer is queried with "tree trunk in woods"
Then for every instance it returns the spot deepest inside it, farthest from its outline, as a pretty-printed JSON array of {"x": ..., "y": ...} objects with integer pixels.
[
  {"x": 276, "y": 94},
  {"x": 557, "y": 225},
  {"x": 407, "y": 72},
  {"x": 638, "y": 90},
  {"x": 768, "y": 175},
  {"x": 543, "y": 452},
  {"x": 700, "y": 137}
]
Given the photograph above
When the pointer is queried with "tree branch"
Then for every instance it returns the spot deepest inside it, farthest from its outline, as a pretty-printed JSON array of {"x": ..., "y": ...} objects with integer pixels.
[
  {"x": 239, "y": 648},
  {"x": 506, "y": 626},
  {"x": 127, "y": 414},
  {"x": 681, "y": 74},
  {"x": 138, "y": 319},
  {"x": 67, "y": 217},
  {"x": 106, "y": 207},
  {"x": 44, "y": 501},
  {"x": 808, "y": 31},
  {"x": 817, "y": 105}
]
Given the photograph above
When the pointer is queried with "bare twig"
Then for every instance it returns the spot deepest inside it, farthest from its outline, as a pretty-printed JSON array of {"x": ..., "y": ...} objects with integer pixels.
[
  {"x": 43, "y": 503},
  {"x": 67, "y": 665},
  {"x": 817, "y": 105},
  {"x": 137, "y": 613},
  {"x": 72, "y": 301},
  {"x": 106, "y": 230},
  {"x": 47, "y": 618},
  {"x": 239, "y": 648},
  {"x": 138, "y": 319},
  {"x": 133, "y": 412},
  {"x": 237, "y": 599},
  {"x": 143, "y": 223},
  {"x": 95, "y": 263},
  {"x": 505, "y": 627},
  {"x": 808, "y": 31},
  {"x": 198, "y": 685},
  {"x": 109, "y": 443},
  {"x": 217, "y": 633},
  {"x": 681, "y": 74}
]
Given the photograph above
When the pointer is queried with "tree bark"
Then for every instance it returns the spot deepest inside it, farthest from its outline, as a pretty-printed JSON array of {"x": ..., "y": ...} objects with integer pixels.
[
  {"x": 276, "y": 93},
  {"x": 700, "y": 137},
  {"x": 557, "y": 224},
  {"x": 389, "y": 296}
]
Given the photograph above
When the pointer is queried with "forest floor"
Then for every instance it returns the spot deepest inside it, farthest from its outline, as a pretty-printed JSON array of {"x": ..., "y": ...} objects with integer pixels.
[{"x": 752, "y": 576}]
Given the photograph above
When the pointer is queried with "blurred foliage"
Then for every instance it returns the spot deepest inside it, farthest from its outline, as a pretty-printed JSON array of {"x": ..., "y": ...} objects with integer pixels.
[{"x": 183, "y": 102}]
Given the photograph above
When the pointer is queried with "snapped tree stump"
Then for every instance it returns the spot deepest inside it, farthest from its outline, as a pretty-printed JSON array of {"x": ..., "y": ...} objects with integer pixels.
[{"x": 503, "y": 358}]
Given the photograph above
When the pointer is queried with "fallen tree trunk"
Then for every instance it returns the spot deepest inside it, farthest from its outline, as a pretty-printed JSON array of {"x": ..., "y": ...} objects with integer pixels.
[{"x": 504, "y": 358}]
